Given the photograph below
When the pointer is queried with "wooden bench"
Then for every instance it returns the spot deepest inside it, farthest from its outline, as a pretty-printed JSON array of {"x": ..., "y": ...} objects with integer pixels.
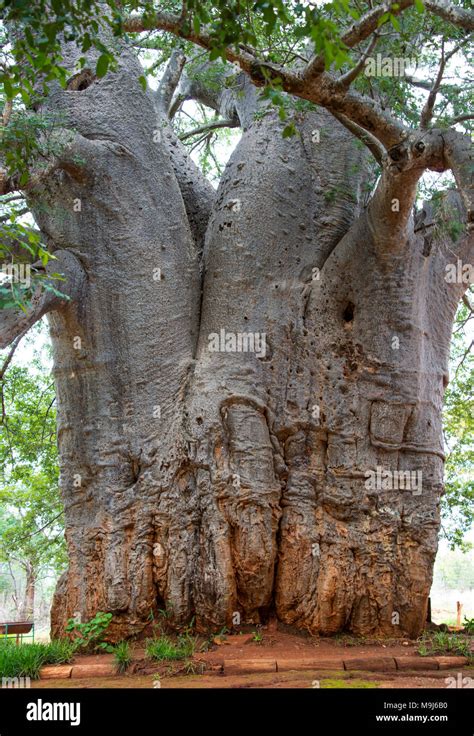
[{"x": 19, "y": 629}]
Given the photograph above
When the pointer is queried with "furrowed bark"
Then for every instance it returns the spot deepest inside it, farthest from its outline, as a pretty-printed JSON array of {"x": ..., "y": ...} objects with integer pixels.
[{"x": 221, "y": 483}]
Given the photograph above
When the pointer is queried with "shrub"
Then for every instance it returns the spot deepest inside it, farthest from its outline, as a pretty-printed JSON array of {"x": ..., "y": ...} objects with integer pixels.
[{"x": 90, "y": 635}]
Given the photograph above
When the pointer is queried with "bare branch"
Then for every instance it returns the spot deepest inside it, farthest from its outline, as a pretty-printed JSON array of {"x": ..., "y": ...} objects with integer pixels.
[
  {"x": 210, "y": 126},
  {"x": 465, "y": 354},
  {"x": 357, "y": 33},
  {"x": 347, "y": 79},
  {"x": 460, "y": 119},
  {"x": 7, "y": 111},
  {"x": 11, "y": 353},
  {"x": 427, "y": 112},
  {"x": 421, "y": 83},
  {"x": 170, "y": 79},
  {"x": 467, "y": 303},
  {"x": 374, "y": 145}
]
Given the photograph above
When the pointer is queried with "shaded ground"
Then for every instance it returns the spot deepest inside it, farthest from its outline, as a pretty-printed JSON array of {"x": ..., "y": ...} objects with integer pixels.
[{"x": 299, "y": 680}]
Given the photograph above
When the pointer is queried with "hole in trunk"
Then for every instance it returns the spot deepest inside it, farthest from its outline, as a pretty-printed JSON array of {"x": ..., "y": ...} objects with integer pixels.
[
  {"x": 81, "y": 81},
  {"x": 348, "y": 314}
]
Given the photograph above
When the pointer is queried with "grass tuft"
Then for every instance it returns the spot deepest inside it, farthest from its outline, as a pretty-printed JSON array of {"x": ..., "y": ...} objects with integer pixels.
[
  {"x": 122, "y": 656},
  {"x": 26, "y": 660},
  {"x": 442, "y": 642},
  {"x": 164, "y": 648}
]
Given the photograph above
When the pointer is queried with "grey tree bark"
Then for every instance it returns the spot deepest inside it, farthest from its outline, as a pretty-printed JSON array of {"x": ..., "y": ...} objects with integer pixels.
[{"x": 229, "y": 486}]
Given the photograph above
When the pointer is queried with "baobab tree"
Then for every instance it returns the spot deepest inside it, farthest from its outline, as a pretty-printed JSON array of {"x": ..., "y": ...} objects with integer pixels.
[{"x": 249, "y": 380}]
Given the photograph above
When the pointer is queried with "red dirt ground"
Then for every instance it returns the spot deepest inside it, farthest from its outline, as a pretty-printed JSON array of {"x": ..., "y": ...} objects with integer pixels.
[{"x": 275, "y": 645}]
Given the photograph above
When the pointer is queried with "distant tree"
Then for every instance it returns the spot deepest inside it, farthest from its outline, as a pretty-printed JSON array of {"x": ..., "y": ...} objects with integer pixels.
[
  {"x": 458, "y": 501},
  {"x": 31, "y": 525}
]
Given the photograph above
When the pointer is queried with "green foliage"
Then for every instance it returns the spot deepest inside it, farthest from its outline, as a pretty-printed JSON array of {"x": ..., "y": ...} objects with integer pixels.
[
  {"x": 163, "y": 648},
  {"x": 122, "y": 656},
  {"x": 35, "y": 58},
  {"x": 469, "y": 625},
  {"x": 441, "y": 642},
  {"x": 26, "y": 660},
  {"x": 31, "y": 525},
  {"x": 458, "y": 501},
  {"x": 89, "y": 636},
  {"x": 333, "y": 683},
  {"x": 454, "y": 570}
]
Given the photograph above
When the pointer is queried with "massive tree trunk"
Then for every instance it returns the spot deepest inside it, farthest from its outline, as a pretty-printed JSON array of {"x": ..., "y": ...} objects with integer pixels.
[{"x": 222, "y": 482}]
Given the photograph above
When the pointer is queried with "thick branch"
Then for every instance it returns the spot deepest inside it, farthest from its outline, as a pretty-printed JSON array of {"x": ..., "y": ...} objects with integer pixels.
[
  {"x": 391, "y": 207},
  {"x": 323, "y": 91},
  {"x": 15, "y": 323},
  {"x": 451, "y": 13},
  {"x": 73, "y": 148},
  {"x": 459, "y": 158}
]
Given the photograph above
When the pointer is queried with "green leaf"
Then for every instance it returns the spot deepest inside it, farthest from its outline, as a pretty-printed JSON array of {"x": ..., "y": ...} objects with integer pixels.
[
  {"x": 102, "y": 65},
  {"x": 143, "y": 82},
  {"x": 7, "y": 85},
  {"x": 383, "y": 19},
  {"x": 214, "y": 54},
  {"x": 25, "y": 96},
  {"x": 395, "y": 22},
  {"x": 289, "y": 130}
]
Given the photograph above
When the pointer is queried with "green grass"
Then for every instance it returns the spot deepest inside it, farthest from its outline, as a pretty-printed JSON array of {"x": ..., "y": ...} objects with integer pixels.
[
  {"x": 442, "y": 642},
  {"x": 164, "y": 648},
  {"x": 122, "y": 656},
  {"x": 26, "y": 660},
  {"x": 333, "y": 683}
]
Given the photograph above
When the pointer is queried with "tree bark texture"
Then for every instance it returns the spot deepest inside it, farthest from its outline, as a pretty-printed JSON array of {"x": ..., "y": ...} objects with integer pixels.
[{"x": 210, "y": 483}]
